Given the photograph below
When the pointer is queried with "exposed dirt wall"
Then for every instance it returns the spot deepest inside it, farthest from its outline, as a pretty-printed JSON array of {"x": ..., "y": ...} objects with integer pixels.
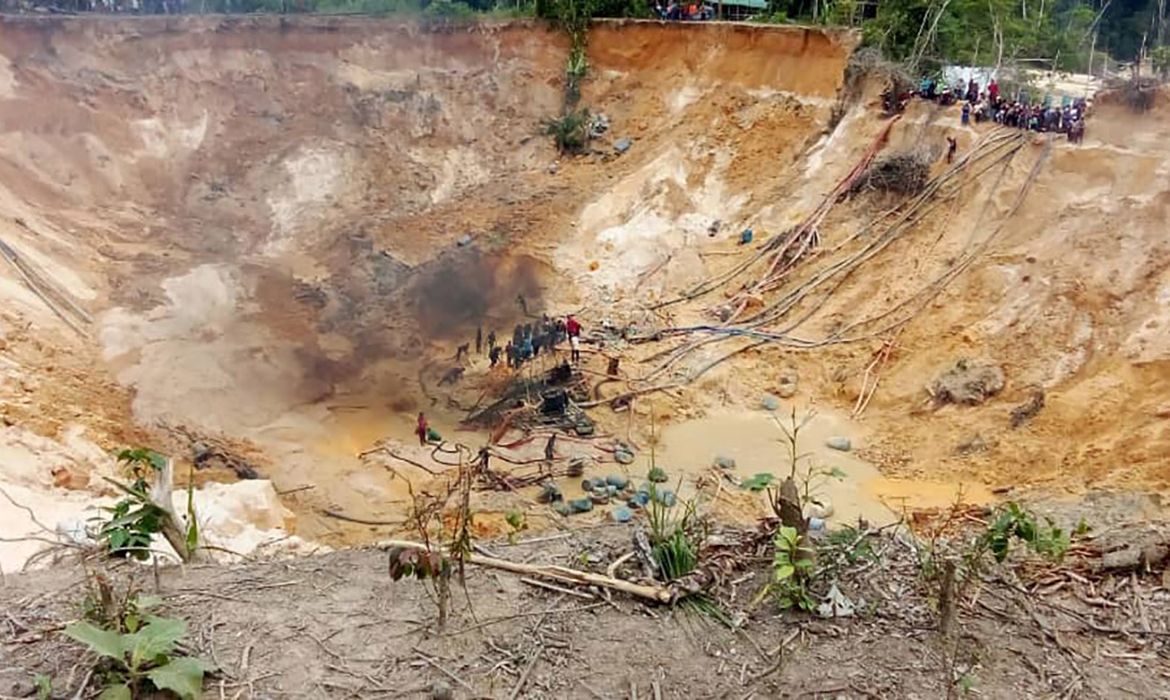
[{"x": 262, "y": 214}]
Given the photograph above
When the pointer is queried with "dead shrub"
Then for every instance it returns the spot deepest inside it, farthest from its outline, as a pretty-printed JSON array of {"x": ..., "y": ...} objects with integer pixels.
[{"x": 904, "y": 173}]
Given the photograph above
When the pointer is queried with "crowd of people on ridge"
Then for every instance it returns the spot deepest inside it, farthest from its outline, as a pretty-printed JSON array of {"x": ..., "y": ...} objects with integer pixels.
[
  {"x": 676, "y": 11},
  {"x": 1020, "y": 113}
]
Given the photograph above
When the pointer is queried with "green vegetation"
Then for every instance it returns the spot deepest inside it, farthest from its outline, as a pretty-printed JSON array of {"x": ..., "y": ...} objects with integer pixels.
[
  {"x": 793, "y": 565},
  {"x": 1014, "y": 524},
  {"x": 146, "y": 655},
  {"x": 138, "y": 650},
  {"x": 1161, "y": 59},
  {"x": 758, "y": 482},
  {"x": 516, "y": 524},
  {"x": 132, "y": 522},
  {"x": 44, "y": 686},
  {"x": 676, "y": 534},
  {"x": 570, "y": 131}
]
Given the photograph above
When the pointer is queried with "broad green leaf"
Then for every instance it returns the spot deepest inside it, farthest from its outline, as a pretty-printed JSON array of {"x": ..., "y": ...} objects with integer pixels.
[
  {"x": 118, "y": 539},
  {"x": 103, "y": 642},
  {"x": 183, "y": 677},
  {"x": 157, "y": 461},
  {"x": 783, "y": 572},
  {"x": 158, "y": 636},
  {"x": 116, "y": 692},
  {"x": 146, "y": 602}
]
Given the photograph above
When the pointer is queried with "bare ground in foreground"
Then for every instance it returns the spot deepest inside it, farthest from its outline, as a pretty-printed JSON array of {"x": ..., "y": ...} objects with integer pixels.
[{"x": 334, "y": 625}]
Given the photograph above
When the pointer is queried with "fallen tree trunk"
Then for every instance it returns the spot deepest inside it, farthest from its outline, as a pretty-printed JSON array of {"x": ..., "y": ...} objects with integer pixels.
[{"x": 557, "y": 573}]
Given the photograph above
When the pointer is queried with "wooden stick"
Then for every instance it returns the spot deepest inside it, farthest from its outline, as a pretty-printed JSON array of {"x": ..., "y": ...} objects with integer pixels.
[
  {"x": 527, "y": 672},
  {"x": 551, "y": 571},
  {"x": 359, "y": 521},
  {"x": 555, "y": 588}
]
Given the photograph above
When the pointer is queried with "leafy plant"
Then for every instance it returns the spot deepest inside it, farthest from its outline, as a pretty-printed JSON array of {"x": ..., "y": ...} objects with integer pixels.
[
  {"x": 145, "y": 653},
  {"x": 407, "y": 562},
  {"x": 112, "y": 608},
  {"x": 570, "y": 131},
  {"x": 131, "y": 523},
  {"x": 1012, "y": 522},
  {"x": 792, "y": 570},
  {"x": 517, "y": 522},
  {"x": 676, "y": 534},
  {"x": 759, "y": 482},
  {"x": 134, "y": 520},
  {"x": 853, "y": 545}
]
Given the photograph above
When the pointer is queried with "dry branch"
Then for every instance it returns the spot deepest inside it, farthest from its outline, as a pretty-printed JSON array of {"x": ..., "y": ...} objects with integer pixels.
[{"x": 556, "y": 573}]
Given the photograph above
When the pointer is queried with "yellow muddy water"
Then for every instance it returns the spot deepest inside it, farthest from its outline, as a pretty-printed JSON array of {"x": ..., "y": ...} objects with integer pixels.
[{"x": 756, "y": 441}]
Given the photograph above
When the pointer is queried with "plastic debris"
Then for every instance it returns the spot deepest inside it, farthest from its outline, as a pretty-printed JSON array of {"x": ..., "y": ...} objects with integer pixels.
[
  {"x": 622, "y": 145},
  {"x": 617, "y": 480},
  {"x": 581, "y": 505},
  {"x": 621, "y": 515},
  {"x": 550, "y": 493},
  {"x": 770, "y": 403},
  {"x": 836, "y": 604},
  {"x": 725, "y": 462}
]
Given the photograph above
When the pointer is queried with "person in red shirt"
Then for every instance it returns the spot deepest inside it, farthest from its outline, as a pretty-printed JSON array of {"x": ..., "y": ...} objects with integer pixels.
[
  {"x": 993, "y": 92},
  {"x": 422, "y": 429},
  {"x": 573, "y": 329}
]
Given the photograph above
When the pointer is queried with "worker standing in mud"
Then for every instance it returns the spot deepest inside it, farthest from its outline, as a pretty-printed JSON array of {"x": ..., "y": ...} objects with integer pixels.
[
  {"x": 479, "y": 339},
  {"x": 573, "y": 329},
  {"x": 510, "y": 354},
  {"x": 494, "y": 355},
  {"x": 550, "y": 451},
  {"x": 526, "y": 351},
  {"x": 491, "y": 342},
  {"x": 952, "y": 146},
  {"x": 422, "y": 430}
]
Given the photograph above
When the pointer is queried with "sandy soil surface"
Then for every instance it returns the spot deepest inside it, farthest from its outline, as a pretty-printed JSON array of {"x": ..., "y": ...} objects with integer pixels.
[
  {"x": 259, "y": 222},
  {"x": 335, "y": 626}
]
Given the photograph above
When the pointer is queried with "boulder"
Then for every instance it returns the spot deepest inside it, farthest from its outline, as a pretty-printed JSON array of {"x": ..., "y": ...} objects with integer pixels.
[
  {"x": 968, "y": 383},
  {"x": 724, "y": 462},
  {"x": 839, "y": 443}
]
